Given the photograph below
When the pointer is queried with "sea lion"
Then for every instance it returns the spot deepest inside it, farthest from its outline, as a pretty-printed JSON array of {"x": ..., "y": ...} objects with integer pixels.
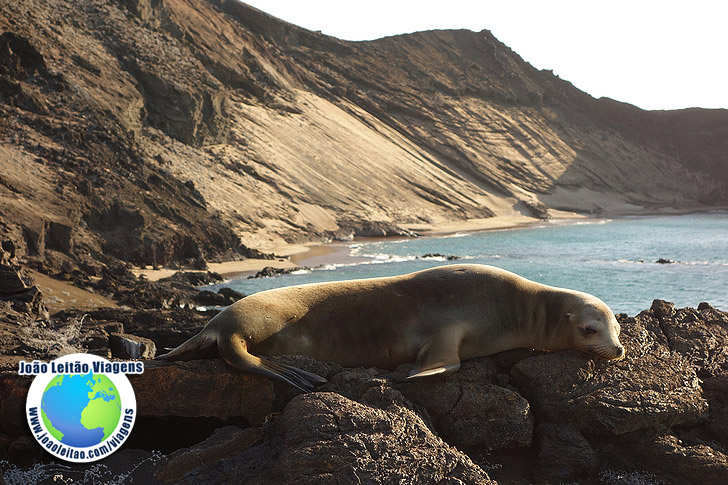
[{"x": 435, "y": 318}]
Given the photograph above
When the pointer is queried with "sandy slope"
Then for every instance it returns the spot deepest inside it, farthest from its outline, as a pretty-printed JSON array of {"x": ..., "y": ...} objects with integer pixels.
[
  {"x": 60, "y": 295},
  {"x": 165, "y": 132}
]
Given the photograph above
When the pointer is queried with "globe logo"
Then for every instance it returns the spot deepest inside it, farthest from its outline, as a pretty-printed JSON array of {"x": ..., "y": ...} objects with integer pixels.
[
  {"x": 80, "y": 407},
  {"x": 81, "y": 410}
]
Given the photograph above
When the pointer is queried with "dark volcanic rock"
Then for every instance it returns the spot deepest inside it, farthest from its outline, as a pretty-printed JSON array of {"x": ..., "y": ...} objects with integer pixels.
[
  {"x": 564, "y": 455},
  {"x": 125, "y": 346},
  {"x": 14, "y": 392},
  {"x": 19, "y": 58},
  {"x": 327, "y": 437},
  {"x": 377, "y": 229},
  {"x": 223, "y": 297},
  {"x": 224, "y": 443},
  {"x": 167, "y": 328},
  {"x": 652, "y": 386},
  {"x": 470, "y": 412},
  {"x": 452, "y": 257},
  {"x": 716, "y": 388},
  {"x": 662, "y": 309},
  {"x": 97, "y": 343},
  {"x": 12, "y": 281},
  {"x": 186, "y": 281},
  {"x": 210, "y": 298},
  {"x": 193, "y": 278},
  {"x": 649, "y": 413},
  {"x": 270, "y": 271},
  {"x": 231, "y": 294},
  {"x": 671, "y": 459},
  {"x": 700, "y": 336},
  {"x": 175, "y": 291},
  {"x": 17, "y": 288},
  {"x": 60, "y": 237},
  {"x": 205, "y": 388},
  {"x": 489, "y": 417},
  {"x": 123, "y": 466}
]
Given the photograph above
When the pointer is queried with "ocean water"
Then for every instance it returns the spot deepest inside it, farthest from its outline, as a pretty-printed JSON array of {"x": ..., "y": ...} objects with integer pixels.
[{"x": 612, "y": 259}]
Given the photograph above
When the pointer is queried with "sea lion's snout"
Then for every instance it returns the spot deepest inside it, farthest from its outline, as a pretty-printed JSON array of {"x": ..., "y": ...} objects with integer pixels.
[
  {"x": 607, "y": 352},
  {"x": 613, "y": 352},
  {"x": 618, "y": 352}
]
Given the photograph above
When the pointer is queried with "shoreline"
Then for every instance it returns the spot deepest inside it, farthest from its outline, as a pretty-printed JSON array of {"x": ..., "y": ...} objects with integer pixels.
[{"x": 337, "y": 252}]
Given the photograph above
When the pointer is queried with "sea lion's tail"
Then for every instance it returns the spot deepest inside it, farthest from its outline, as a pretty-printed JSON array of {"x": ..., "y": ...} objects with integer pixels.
[{"x": 193, "y": 348}]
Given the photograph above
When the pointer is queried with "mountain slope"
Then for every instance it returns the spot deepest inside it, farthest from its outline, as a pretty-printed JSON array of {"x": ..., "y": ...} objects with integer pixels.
[{"x": 162, "y": 131}]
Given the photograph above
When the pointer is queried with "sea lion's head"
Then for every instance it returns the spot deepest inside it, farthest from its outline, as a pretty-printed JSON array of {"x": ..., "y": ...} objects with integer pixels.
[{"x": 594, "y": 329}]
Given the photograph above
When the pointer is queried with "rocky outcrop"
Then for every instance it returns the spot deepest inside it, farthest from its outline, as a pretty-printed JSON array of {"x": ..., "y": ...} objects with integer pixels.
[
  {"x": 349, "y": 229},
  {"x": 179, "y": 290},
  {"x": 16, "y": 286},
  {"x": 585, "y": 413},
  {"x": 564, "y": 455},
  {"x": 270, "y": 271},
  {"x": 223, "y": 444},
  {"x": 516, "y": 417},
  {"x": 672, "y": 459},
  {"x": 165, "y": 391},
  {"x": 473, "y": 413},
  {"x": 340, "y": 440},
  {"x": 125, "y": 346},
  {"x": 18, "y": 289}
]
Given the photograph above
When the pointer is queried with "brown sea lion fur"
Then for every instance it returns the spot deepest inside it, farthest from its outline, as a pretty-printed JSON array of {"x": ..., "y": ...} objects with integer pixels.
[{"x": 435, "y": 318}]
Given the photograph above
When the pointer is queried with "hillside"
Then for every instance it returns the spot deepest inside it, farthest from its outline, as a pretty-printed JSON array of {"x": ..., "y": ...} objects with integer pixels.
[{"x": 168, "y": 131}]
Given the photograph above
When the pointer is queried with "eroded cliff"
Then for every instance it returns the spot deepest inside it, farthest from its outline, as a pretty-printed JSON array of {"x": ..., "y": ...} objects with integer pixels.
[{"x": 161, "y": 131}]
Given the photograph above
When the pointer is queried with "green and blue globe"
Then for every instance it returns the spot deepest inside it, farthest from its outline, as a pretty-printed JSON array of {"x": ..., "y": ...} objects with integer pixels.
[{"x": 81, "y": 410}]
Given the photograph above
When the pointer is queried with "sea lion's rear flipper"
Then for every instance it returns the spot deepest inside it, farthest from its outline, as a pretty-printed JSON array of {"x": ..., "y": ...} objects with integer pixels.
[
  {"x": 194, "y": 348},
  {"x": 440, "y": 355},
  {"x": 234, "y": 351}
]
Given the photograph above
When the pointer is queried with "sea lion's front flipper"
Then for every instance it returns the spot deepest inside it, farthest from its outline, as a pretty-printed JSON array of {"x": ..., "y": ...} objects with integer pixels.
[
  {"x": 234, "y": 351},
  {"x": 440, "y": 355}
]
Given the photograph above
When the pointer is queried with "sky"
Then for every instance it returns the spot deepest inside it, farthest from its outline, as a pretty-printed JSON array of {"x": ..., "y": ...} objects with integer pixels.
[{"x": 653, "y": 54}]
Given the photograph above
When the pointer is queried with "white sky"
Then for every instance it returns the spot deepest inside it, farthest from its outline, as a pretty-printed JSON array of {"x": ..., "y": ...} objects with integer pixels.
[{"x": 653, "y": 54}]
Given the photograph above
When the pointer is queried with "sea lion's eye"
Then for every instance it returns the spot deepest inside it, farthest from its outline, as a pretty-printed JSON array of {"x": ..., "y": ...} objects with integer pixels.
[{"x": 587, "y": 331}]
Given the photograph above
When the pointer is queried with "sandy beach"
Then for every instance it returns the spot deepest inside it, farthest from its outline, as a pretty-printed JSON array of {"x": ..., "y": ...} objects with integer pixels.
[
  {"x": 320, "y": 253},
  {"x": 310, "y": 254}
]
